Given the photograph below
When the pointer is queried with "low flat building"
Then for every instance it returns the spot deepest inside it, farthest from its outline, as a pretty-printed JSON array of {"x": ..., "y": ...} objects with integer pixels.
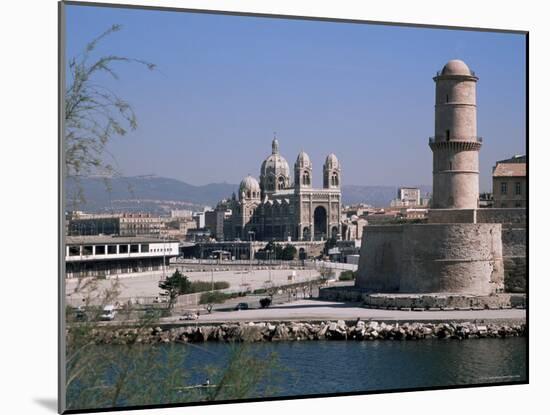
[{"x": 108, "y": 256}]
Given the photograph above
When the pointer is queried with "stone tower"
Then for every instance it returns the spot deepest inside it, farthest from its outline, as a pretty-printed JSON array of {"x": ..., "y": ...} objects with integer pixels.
[
  {"x": 331, "y": 172},
  {"x": 455, "y": 145},
  {"x": 303, "y": 171}
]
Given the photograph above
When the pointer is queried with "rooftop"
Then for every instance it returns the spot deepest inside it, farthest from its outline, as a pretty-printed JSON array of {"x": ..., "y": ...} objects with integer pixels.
[
  {"x": 510, "y": 170},
  {"x": 113, "y": 239}
]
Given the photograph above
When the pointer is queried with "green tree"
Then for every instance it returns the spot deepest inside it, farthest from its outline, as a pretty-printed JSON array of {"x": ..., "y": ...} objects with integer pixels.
[
  {"x": 174, "y": 286},
  {"x": 93, "y": 113},
  {"x": 288, "y": 252}
]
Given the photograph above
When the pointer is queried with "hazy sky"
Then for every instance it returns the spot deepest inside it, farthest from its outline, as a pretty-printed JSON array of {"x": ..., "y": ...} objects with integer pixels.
[{"x": 224, "y": 84}]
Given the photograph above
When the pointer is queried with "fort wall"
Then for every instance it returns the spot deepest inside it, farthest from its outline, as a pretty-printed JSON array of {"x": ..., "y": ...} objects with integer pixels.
[{"x": 426, "y": 258}]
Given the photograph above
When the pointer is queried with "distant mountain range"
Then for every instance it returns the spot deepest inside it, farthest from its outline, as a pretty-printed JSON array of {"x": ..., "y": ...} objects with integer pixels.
[{"x": 160, "y": 194}]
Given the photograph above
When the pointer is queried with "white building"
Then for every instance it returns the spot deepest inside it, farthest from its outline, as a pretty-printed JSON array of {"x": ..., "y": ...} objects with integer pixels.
[{"x": 102, "y": 256}]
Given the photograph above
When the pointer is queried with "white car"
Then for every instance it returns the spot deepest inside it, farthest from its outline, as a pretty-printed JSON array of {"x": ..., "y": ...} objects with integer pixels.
[
  {"x": 109, "y": 313},
  {"x": 189, "y": 316}
]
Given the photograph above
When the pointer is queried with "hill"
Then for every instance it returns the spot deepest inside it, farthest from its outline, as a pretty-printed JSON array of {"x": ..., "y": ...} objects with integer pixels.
[{"x": 160, "y": 194}]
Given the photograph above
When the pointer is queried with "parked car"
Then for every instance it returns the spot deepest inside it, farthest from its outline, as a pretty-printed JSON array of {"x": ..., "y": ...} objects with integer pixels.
[
  {"x": 242, "y": 306},
  {"x": 190, "y": 316},
  {"x": 160, "y": 299},
  {"x": 109, "y": 313}
]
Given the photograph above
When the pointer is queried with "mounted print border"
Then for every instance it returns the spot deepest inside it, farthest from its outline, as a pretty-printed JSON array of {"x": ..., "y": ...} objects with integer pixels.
[{"x": 198, "y": 266}]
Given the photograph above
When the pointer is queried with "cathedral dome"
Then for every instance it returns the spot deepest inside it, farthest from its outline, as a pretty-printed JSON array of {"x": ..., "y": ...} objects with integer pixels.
[
  {"x": 456, "y": 67},
  {"x": 250, "y": 187},
  {"x": 275, "y": 172},
  {"x": 275, "y": 165},
  {"x": 332, "y": 162},
  {"x": 303, "y": 160}
]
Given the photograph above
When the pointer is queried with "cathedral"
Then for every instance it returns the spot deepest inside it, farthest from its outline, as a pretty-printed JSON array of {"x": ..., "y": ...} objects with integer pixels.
[{"x": 277, "y": 208}]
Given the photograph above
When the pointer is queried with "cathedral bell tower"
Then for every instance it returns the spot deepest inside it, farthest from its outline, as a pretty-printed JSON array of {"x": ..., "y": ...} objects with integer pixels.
[
  {"x": 303, "y": 171},
  {"x": 331, "y": 173}
]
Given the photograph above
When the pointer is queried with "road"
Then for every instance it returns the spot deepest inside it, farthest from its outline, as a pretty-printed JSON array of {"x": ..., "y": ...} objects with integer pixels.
[
  {"x": 325, "y": 310},
  {"x": 147, "y": 285}
]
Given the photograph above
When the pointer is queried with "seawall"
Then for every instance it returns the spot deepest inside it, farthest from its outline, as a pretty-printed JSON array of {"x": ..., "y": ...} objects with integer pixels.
[{"x": 298, "y": 331}]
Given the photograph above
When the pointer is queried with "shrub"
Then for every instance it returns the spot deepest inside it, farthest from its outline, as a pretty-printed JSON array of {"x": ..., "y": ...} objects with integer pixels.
[
  {"x": 213, "y": 297},
  {"x": 200, "y": 286},
  {"x": 347, "y": 276}
]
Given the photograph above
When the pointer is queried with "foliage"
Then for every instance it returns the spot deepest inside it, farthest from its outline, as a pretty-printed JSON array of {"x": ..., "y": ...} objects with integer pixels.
[
  {"x": 276, "y": 251},
  {"x": 93, "y": 113},
  {"x": 128, "y": 373},
  {"x": 289, "y": 252},
  {"x": 174, "y": 286},
  {"x": 200, "y": 286},
  {"x": 213, "y": 297},
  {"x": 265, "y": 302},
  {"x": 246, "y": 374},
  {"x": 347, "y": 275}
]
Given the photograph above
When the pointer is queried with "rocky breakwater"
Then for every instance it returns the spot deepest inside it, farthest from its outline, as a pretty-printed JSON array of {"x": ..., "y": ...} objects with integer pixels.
[{"x": 298, "y": 331}]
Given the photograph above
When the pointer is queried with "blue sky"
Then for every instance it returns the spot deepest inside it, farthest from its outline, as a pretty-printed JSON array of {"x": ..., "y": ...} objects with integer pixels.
[{"x": 224, "y": 84}]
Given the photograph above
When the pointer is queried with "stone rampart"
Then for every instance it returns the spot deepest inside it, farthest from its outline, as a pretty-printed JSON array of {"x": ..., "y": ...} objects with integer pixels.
[
  {"x": 452, "y": 216},
  {"x": 514, "y": 236},
  {"x": 502, "y": 215},
  {"x": 379, "y": 263},
  {"x": 461, "y": 258}
]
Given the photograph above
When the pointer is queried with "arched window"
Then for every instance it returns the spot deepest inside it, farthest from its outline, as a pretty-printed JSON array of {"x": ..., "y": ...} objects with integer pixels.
[
  {"x": 281, "y": 182},
  {"x": 305, "y": 179}
]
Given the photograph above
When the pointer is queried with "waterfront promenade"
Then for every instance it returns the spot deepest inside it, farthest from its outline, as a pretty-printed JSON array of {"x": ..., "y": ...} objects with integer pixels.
[{"x": 315, "y": 310}]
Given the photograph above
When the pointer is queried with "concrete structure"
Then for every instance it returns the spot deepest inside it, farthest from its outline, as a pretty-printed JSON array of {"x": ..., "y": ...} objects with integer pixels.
[
  {"x": 510, "y": 183},
  {"x": 278, "y": 208},
  {"x": 352, "y": 228},
  {"x": 455, "y": 144},
  {"x": 104, "y": 256},
  {"x": 214, "y": 220},
  {"x": 408, "y": 197},
  {"x": 462, "y": 250}
]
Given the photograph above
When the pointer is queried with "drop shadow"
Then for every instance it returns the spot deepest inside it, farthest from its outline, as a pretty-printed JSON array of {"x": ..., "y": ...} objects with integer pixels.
[{"x": 48, "y": 403}]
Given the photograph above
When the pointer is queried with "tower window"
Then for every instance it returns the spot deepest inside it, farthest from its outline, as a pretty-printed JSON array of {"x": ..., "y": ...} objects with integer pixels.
[
  {"x": 447, "y": 97},
  {"x": 450, "y": 165},
  {"x": 448, "y": 134}
]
